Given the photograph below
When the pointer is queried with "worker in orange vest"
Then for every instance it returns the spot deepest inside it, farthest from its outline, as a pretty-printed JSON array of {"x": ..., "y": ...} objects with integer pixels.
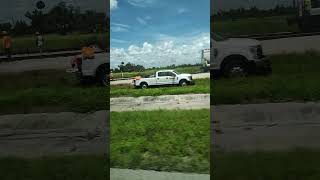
[
  {"x": 7, "y": 43},
  {"x": 88, "y": 51}
]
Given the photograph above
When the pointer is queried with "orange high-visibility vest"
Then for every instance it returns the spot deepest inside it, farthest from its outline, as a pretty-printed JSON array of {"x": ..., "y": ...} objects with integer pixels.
[
  {"x": 7, "y": 42},
  {"x": 88, "y": 52}
]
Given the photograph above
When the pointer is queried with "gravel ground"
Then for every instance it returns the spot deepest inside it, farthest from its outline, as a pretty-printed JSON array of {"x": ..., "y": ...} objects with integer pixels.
[
  {"x": 124, "y": 174},
  {"x": 170, "y": 102}
]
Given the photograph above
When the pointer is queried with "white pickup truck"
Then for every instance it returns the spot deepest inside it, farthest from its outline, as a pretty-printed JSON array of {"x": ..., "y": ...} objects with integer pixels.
[
  {"x": 234, "y": 56},
  {"x": 96, "y": 69},
  {"x": 164, "y": 78}
]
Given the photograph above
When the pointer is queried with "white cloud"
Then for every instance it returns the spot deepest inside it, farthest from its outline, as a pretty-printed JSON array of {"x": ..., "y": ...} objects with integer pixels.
[
  {"x": 141, "y": 3},
  {"x": 144, "y": 20},
  {"x": 113, "y": 4},
  {"x": 182, "y": 10},
  {"x": 148, "y": 18},
  {"x": 117, "y": 27},
  {"x": 118, "y": 41},
  {"x": 141, "y": 21},
  {"x": 164, "y": 52}
]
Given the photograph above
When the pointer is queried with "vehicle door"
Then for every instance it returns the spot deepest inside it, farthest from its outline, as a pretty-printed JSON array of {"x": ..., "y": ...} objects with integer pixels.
[
  {"x": 163, "y": 78},
  {"x": 172, "y": 78}
]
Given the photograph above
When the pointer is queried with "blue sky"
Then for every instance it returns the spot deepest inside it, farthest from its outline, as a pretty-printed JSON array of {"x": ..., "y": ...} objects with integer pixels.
[{"x": 159, "y": 32}]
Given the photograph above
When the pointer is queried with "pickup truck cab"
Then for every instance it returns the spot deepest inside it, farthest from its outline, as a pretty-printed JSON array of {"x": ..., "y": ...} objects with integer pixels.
[
  {"x": 164, "y": 78},
  {"x": 234, "y": 56}
]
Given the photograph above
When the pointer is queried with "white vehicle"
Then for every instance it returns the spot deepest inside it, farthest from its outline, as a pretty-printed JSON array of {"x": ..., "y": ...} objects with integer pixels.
[
  {"x": 96, "y": 69},
  {"x": 307, "y": 15},
  {"x": 234, "y": 56},
  {"x": 164, "y": 78}
]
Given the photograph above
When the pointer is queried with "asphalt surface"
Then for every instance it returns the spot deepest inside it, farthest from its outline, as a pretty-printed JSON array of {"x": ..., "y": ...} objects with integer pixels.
[
  {"x": 266, "y": 127},
  {"x": 290, "y": 45},
  {"x": 56, "y": 63},
  {"x": 45, "y": 134}
]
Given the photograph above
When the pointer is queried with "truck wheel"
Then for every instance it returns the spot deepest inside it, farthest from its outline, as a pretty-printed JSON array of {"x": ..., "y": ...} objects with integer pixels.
[
  {"x": 102, "y": 76},
  {"x": 183, "y": 82},
  {"x": 144, "y": 85},
  {"x": 236, "y": 68}
]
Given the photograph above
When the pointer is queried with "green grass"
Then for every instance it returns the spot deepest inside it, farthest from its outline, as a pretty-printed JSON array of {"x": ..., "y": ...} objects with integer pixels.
[
  {"x": 295, "y": 77},
  {"x": 49, "y": 91},
  {"x": 201, "y": 86},
  {"x": 161, "y": 140},
  {"x": 296, "y": 164},
  {"x": 54, "y": 168},
  {"x": 253, "y": 26},
  {"x": 148, "y": 72},
  {"x": 25, "y": 44}
]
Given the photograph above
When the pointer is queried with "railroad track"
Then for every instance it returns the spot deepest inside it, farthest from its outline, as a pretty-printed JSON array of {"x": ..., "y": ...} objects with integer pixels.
[{"x": 279, "y": 35}]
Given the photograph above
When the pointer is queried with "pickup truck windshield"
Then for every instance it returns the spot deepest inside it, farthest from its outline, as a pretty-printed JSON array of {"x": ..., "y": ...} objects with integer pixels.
[
  {"x": 176, "y": 72},
  {"x": 217, "y": 37}
]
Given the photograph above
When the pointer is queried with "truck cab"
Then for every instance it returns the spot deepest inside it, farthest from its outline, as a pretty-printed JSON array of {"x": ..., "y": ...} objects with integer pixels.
[
  {"x": 163, "y": 78},
  {"x": 235, "y": 56}
]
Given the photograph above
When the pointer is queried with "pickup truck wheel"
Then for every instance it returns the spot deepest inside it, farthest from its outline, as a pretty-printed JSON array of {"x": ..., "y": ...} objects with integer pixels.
[
  {"x": 236, "y": 69},
  {"x": 183, "y": 83},
  {"x": 144, "y": 85},
  {"x": 102, "y": 76}
]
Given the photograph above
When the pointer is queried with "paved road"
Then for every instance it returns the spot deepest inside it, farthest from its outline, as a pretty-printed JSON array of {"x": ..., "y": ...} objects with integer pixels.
[
  {"x": 289, "y": 45},
  {"x": 266, "y": 126},
  {"x": 170, "y": 102},
  {"x": 125, "y": 174},
  {"x": 129, "y": 81},
  {"x": 36, "y": 64},
  {"x": 34, "y": 135},
  {"x": 58, "y": 63}
]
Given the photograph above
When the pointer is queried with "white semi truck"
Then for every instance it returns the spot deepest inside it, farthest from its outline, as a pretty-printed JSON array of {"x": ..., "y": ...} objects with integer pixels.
[{"x": 234, "y": 56}]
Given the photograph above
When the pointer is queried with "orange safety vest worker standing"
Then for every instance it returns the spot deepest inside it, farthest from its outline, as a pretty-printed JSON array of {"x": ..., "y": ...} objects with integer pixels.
[
  {"x": 7, "y": 43},
  {"x": 88, "y": 52}
]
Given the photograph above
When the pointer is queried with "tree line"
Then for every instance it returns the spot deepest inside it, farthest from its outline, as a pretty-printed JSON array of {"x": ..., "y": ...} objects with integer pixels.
[
  {"x": 131, "y": 67},
  {"x": 239, "y": 13},
  {"x": 62, "y": 19}
]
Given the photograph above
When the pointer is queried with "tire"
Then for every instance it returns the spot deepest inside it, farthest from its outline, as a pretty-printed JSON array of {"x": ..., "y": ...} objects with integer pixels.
[
  {"x": 102, "y": 76},
  {"x": 236, "y": 68},
  {"x": 183, "y": 82},
  {"x": 143, "y": 85}
]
